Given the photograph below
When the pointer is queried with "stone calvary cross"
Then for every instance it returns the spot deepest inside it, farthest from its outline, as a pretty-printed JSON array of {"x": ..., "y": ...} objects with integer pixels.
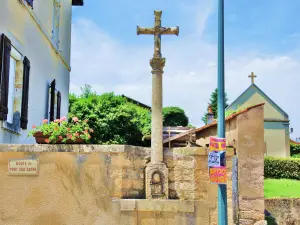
[{"x": 156, "y": 171}]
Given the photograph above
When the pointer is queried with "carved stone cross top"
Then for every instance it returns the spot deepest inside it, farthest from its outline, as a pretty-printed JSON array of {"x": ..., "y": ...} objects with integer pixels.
[
  {"x": 252, "y": 76},
  {"x": 157, "y": 31}
]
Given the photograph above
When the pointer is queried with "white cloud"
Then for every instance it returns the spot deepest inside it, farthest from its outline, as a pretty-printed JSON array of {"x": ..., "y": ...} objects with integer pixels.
[{"x": 190, "y": 73}]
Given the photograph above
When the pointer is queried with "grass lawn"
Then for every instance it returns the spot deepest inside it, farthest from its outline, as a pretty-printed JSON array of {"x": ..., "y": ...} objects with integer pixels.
[{"x": 283, "y": 188}]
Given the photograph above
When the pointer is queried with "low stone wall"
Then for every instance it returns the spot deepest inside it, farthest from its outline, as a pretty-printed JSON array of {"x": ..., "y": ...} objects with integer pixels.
[
  {"x": 286, "y": 211},
  {"x": 94, "y": 184}
]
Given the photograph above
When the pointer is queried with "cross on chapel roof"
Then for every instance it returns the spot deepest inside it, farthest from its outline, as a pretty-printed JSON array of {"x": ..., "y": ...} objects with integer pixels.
[{"x": 252, "y": 76}]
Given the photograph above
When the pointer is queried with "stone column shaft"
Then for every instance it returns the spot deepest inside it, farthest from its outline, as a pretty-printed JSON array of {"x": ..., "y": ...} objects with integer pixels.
[
  {"x": 157, "y": 119},
  {"x": 157, "y": 65}
]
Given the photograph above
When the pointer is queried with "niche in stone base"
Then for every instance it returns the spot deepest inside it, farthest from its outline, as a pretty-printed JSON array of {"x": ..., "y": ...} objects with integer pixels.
[{"x": 157, "y": 181}]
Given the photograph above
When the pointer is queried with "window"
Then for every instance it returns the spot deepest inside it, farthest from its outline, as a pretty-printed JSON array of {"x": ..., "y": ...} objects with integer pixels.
[
  {"x": 10, "y": 105},
  {"x": 55, "y": 22},
  {"x": 54, "y": 102},
  {"x": 15, "y": 58},
  {"x": 13, "y": 88}
]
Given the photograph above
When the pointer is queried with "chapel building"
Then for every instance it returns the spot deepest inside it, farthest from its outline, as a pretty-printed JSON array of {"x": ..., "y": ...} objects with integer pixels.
[{"x": 276, "y": 120}]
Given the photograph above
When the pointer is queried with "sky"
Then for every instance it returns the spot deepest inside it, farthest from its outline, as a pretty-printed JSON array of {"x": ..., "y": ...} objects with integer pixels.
[{"x": 260, "y": 36}]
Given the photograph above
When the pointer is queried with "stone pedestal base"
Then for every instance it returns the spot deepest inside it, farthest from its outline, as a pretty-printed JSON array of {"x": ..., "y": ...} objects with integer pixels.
[{"x": 156, "y": 182}]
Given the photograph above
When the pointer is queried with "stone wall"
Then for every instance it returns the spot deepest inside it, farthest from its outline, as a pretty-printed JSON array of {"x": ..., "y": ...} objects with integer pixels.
[
  {"x": 245, "y": 132},
  {"x": 250, "y": 152},
  {"x": 94, "y": 184},
  {"x": 285, "y": 210}
]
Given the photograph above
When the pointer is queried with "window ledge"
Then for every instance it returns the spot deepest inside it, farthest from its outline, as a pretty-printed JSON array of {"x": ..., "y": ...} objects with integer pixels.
[
  {"x": 15, "y": 126},
  {"x": 11, "y": 128}
]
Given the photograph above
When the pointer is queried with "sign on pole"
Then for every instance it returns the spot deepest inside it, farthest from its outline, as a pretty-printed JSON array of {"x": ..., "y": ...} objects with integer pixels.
[{"x": 217, "y": 160}]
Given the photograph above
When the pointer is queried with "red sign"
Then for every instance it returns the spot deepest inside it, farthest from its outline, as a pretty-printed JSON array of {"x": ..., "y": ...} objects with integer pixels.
[
  {"x": 217, "y": 160},
  {"x": 217, "y": 144},
  {"x": 218, "y": 174}
]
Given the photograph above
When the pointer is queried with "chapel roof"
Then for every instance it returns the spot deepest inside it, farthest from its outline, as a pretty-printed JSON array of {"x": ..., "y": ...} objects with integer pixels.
[
  {"x": 214, "y": 123},
  {"x": 264, "y": 95}
]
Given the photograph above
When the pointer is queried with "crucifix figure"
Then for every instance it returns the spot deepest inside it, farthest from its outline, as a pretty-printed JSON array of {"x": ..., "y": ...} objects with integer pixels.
[
  {"x": 157, "y": 63},
  {"x": 252, "y": 76},
  {"x": 157, "y": 31}
]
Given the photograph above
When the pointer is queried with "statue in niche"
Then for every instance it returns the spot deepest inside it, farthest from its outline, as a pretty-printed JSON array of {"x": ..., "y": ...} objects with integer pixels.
[{"x": 156, "y": 185}]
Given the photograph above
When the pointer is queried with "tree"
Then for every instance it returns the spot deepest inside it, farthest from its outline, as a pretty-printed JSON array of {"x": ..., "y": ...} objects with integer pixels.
[
  {"x": 113, "y": 119},
  {"x": 214, "y": 105},
  {"x": 86, "y": 91},
  {"x": 174, "y": 116}
]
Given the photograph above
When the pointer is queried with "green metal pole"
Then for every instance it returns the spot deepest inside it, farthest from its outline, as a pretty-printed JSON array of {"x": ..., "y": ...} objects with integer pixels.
[{"x": 222, "y": 189}]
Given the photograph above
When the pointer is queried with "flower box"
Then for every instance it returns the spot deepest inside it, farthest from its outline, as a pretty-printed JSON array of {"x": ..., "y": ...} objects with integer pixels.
[
  {"x": 62, "y": 131},
  {"x": 40, "y": 138}
]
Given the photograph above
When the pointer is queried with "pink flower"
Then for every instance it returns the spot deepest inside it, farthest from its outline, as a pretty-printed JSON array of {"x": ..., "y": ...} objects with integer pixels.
[
  {"x": 70, "y": 136},
  {"x": 33, "y": 126},
  {"x": 86, "y": 131},
  {"x": 68, "y": 128},
  {"x": 45, "y": 121},
  {"x": 91, "y": 130},
  {"x": 60, "y": 137},
  {"x": 89, "y": 136},
  {"x": 56, "y": 121},
  {"x": 86, "y": 121},
  {"x": 75, "y": 119},
  {"x": 77, "y": 134},
  {"x": 63, "y": 118},
  {"x": 47, "y": 140}
]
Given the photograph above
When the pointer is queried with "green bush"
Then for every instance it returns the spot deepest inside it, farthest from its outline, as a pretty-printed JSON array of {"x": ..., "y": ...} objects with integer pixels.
[
  {"x": 174, "y": 116},
  {"x": 278, "y": 168},
  {"x": 295, "y": 149},
  {"x": 296, "y": 156},
  {"x": 113, "y": 119}
]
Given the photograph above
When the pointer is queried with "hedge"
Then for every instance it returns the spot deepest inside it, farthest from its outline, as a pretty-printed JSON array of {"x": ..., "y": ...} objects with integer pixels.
[
  {"x": 295, "y": 149},
  {"x": 285, "y": 168}
]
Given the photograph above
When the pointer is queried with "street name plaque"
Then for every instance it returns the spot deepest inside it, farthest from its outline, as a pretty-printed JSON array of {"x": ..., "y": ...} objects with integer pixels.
[{"x": 25, "y": 167}]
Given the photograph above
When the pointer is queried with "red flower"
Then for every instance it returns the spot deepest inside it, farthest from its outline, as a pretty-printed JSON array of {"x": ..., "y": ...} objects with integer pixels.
[
  {"x": 47, "y": 140},
  {"x": 60, "y": 137},
  {"x": 68, "y": 128},
  {"x": 33, "y": 126},
  {"x": 63, "y": 118},
  {"x": 75, "y": 119},
  {"x": 45, "y": 121},
  {"x": 70, "y": 136}
]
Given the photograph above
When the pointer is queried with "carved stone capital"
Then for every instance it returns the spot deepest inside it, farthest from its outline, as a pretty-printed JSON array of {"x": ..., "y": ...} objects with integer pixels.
[{"x": 157, "y": 64}]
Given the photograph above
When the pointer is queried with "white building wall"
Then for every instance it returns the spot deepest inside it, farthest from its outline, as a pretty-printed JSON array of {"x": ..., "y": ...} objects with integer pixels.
[{"x": 30, "y": 32}]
